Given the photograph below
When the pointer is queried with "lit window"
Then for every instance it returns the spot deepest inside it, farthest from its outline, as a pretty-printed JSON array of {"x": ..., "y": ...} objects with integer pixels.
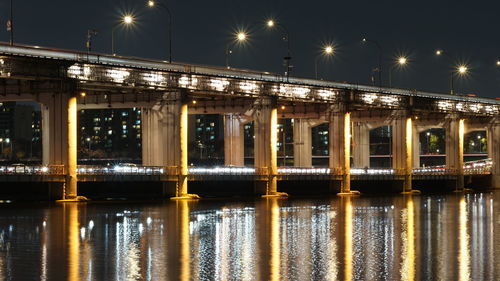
[{"x": 110, "y": 132}]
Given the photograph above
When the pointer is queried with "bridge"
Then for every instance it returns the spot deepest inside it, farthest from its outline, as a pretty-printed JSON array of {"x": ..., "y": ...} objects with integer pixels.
[{"x": 64, "y": 81}]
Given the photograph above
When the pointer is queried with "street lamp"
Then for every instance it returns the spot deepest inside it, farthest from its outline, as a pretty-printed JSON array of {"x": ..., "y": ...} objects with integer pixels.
[
  {"x": 152, "y": 4},
  {"x": 428, "y": 134},
  {"x": 10, "y": 24},
  {"x": 327, "y": 50},
  {"x": 379, "y": 47},
  {"x": 90, "y": 142},
  {"x": 460, "y": 69},
  {"x": 400, "y": 62},
  {"x": 271, "y": 24},
  {"x": 91, "y": 33},
  {"x": 239, "y": 38},
  {"x": 126, "y": 20}
]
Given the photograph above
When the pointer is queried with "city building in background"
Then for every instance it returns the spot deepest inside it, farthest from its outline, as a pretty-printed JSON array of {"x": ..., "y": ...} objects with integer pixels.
[
  {"x": 206, "y": 139},
  {"x": 20, "y": 132},
  {"x": 109, "y": 135},
  {"x": 320, "y": 141}
]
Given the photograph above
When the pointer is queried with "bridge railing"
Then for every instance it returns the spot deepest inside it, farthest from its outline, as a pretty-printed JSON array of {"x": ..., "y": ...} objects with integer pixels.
[
  {"x": 226, "y": 170},
  {"x": 32, "y": 170},
  {"x": 125, "y": 170},
  {"x": 434, "y": 171}
]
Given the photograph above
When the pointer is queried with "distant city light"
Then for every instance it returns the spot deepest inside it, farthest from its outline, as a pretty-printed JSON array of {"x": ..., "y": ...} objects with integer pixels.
[{"x": 270, "y": 23}]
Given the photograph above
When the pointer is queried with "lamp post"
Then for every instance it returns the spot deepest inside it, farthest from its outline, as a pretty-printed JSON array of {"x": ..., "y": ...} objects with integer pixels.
[
  {"x": 126, "y": 20},
  {"x": 400, "y": 62},
  {"x": 460, "y": 70},
  {"x": 379, "y": 47},
  {"x": 7, "y": 141},
  {"x": 89, "y": 142},
  {"x": 286, "y": 37},
  {"x": 91, "y": 33},
  {"x": 10, "y": 23},
  {"x": 240, "y": 37},
  {"x": 428, "y": 134},
  {"x": 152, "y": 4},
  {"x": 328, "y": 50}
]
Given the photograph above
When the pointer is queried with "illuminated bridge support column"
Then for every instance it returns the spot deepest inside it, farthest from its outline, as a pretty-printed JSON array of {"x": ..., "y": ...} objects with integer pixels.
[
  {"x": 59, "y": 142},
  {"x": 234, "y": 140},
  {"x": 265, "y": 151},
  {"x": 494, "y": 153},
  {"x": 302, "y": 141},
  {"x": 402, "y": 149},
  {"x": 455, "y": 149},
  {"x": 340, "y": 149},
  {"x": 416, "y": 147},
  {"x": 165, "y": 140},
  {"x": 361, "y": 145}
]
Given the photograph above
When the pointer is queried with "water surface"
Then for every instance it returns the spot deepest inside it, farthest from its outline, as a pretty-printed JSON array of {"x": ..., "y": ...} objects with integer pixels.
[{"x": 438, "y": 237}]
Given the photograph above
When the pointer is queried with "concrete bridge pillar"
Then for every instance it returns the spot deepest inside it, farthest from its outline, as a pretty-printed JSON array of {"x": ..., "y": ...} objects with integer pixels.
[
  {"x": 165, "y": 139},
  {"x": 302, "y": 141},
  {"x": 455, "y": 149},
  {"x": 234, "y": 140},
  {"x": 152, "y": 135},
  {"x": 402, "y": 149},
  {"x": 59, "y": 140},
  {"x": 416, "y": 147},
  {"x": 265, "y": 151},
  {"x": 340, "y": 148},
  {"x": 494, "y": 153},
  {"x": 361, "y": 145}
]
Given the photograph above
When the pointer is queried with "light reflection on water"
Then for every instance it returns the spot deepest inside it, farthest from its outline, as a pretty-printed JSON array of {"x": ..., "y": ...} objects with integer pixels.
[{"x": 440, "y": 237}]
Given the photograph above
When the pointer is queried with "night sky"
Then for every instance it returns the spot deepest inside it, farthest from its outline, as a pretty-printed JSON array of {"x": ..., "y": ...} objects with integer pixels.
[{"x": 466, "y": 30}]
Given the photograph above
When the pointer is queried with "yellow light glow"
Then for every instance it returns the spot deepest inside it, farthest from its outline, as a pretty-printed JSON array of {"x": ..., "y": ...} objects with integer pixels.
[
  {"x": 194, "y": 101},
  {"x": 462, "y": 69},
  {"x": 464, "y": 261},
  {"x": 348, "y": 231},
  {"x": 328, "y": 49},
  {"x": 283, "y": 107},
  {"x": 151, "y": 3},
  {"x": 183, "y": 139},
  {"x": 270, "y": 23},
  {"x": 408, "y": 238},
  {"x": 439, "y": 52},
  {"x": 275, "y": 248},
  {"x": 83, "y": 94},
  {"x": 128, "y": 19},
  {"x": 71, "y": 178},
  {"x": 73, "y": 224},
  {"x": 498, "y": 62},
  {"x": 346, "y": 187},
  {"x": 241, "y": 36},
  {"x": 402, "y": 60},
  {"x": 273, "y": 137},
  {"x": 409, "y": 154}
]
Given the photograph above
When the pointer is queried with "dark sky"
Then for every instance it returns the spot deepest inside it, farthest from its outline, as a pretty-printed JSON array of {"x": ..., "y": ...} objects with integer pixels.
[{"x": 467, "y": 30}]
